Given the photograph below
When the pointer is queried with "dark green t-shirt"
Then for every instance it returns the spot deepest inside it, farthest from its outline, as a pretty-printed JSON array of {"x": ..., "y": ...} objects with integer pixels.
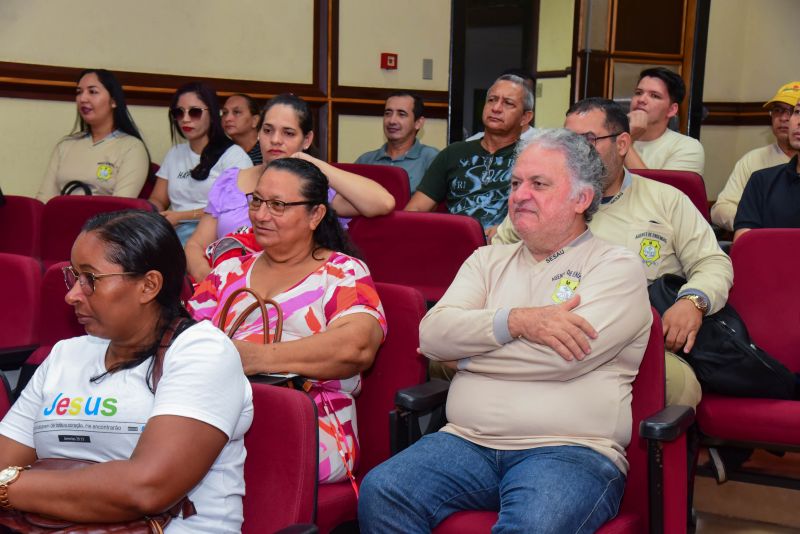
[{"x": 471, "y": 180}]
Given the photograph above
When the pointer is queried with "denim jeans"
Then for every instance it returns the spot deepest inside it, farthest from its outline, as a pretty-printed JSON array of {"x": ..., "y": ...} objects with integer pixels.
[
  {"x": 185, "y": 230},
  {"x": 566, "y": 489}
]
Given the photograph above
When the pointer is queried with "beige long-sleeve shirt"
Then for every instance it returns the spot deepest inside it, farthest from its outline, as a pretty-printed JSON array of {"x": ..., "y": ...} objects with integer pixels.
[
  {"x": 662, "y": 227},
  {"x": 116, "y": 165},
  {"x": 723, "y": 212},
  {"x": 520, "y": 394}
]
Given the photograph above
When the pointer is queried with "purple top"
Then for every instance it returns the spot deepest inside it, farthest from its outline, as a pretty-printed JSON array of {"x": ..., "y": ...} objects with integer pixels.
[{"x": 228, "y": 204}]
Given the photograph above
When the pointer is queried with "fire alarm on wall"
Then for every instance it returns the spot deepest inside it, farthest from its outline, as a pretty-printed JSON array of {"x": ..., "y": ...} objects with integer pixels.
[{"x": 388, "y": 61}]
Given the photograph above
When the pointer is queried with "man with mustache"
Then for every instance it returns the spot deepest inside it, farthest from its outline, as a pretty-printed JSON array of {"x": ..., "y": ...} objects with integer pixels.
[
  {"x": 661, "y": 226},
  {"x": 402, "y": 120},
  {"x": 772, "y": 196},
  {"x": 780, "y": 110}
]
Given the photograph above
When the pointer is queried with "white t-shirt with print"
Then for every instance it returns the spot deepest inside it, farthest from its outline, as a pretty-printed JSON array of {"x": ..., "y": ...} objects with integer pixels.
[
  {"x": 186, "y": 193},
  {"x": 62, "y": 414}
]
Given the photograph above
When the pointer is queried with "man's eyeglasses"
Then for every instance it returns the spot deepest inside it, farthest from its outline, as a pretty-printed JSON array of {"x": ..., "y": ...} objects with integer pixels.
[
  {"x": 86, "y": 280},
  {"x": 593, "y": 139},
  {"x": 779, "y": 111},
  {"x": 275, "y": 207},
  {"x": 193, "y": 112}
]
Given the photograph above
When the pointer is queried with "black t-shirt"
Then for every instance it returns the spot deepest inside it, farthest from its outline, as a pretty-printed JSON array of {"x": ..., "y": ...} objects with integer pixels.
[{"x": 771, "y": 199}]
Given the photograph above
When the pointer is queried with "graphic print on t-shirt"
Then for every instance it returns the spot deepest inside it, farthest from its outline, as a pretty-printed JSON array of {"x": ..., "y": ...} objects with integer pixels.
[
  {"x": 75, "y": 418},
  {"x": 480, "y": 188}
]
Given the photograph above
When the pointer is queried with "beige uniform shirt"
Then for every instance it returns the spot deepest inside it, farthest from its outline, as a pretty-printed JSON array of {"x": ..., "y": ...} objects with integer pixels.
[
  {"x": 116, "y": 165},
  {"x": 519, "y": 394},
  {"x": 723, "y": 212},
  {"x": 662, "y": 227},
  {"x": 672, "y": 151}
]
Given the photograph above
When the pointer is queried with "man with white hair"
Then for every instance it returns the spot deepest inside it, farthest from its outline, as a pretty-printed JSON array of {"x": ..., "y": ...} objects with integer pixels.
[{"x": 560, "y": 319}]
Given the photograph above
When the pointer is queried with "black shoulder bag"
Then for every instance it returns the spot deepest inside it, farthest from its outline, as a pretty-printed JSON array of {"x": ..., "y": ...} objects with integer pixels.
[{"x": 724, "y": 358}]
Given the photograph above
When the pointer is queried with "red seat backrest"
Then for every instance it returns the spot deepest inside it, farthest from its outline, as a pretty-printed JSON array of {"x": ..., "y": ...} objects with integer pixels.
[
  {"x": 689, "y": 182},
  {"x": 421, "y": 250},
  {"x": 280, "y": 471},
  {"x": 21, "y": 226},
  {"x": 19, "y": 314},
  {"x": 150, "y": 182},
  {"x": 648, "y": 398},
  {"x": 393, "y": 179},
  {"x": 64, "y": 216},
  {"x": 766, "y": 290},
  {"x": 397, "y": 366}
]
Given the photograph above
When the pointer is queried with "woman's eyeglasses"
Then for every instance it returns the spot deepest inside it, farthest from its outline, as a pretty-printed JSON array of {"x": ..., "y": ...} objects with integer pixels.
[
  {"x": 275, "y": 207},
  {"x": 86, "y": 280},
  {"x": 194, "y": 113}
]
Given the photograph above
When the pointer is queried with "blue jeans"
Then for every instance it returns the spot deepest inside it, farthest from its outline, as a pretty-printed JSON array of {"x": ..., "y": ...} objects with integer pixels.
[
  {"x": 185, "y": 230},
  {"x": 567, "y": 489}
]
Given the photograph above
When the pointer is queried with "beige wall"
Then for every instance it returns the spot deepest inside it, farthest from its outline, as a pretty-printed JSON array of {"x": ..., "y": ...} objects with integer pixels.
[
  {"x": 413, "y": 29},
  {"x": 191, "y": 37},
  {"x": 556, "y": 19},
  {"x": 554, "y": 102},
  {"x": 749, "y": 56},
  {"x": 359, "y": 134},
  {"x": 31, "y": 128}
]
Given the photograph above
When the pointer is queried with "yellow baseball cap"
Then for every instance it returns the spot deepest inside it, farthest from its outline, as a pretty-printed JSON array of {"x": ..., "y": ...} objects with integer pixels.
[{"x": 787, "y": 94}]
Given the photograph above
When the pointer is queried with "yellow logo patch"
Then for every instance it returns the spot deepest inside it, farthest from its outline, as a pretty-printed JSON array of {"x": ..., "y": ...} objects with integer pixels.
[
  {"x": 650, "y": 251},
  {"x": 104, "y": 172},
  {"x": 565, "y": 289}
]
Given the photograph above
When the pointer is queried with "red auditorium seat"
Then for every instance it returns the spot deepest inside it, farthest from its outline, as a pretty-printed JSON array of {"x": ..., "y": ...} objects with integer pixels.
[
  {"x": 21, "y": 223},
  {"x": 397, "y": 365},
  {"x": 64, "y": 216},
  {"x": 5, "y": 395},
  {"x": 766, "y": 293},
  {"x": 19, "y": 314},
  {"x": 280, "y": 471},
  {"x": 421, "y": 250},
  {"x": 689, "y": 182},
  {"x": 394, "y": 179},
  {"x": 150, "y": 182},
  {"x": 656, "y": 487},
  {"x": 56, "y": 321}
]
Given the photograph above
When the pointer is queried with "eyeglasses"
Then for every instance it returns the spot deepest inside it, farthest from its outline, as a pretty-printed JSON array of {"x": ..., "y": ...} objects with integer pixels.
[
  {"x": 275, "y": 207},
  {"x": 86, "y": 280},
  {"x": 193, "y": 112},
  {"x": 593, "y": 139},
  {"x": 779, "y": 111}
]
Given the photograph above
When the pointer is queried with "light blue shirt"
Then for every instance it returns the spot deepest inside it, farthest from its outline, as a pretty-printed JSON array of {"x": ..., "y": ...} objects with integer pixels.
[{"x": 415, "y": 162}]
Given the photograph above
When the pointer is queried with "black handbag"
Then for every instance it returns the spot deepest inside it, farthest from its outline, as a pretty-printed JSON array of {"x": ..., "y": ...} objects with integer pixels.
[
  {"x": 724, "y": 358},
  {"x": 75, "y": 185}
]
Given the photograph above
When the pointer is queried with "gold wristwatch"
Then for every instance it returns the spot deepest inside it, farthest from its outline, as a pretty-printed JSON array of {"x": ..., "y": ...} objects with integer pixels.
[
  {"x": 8, "y": 476},
  {"x": 699, "y": 302}
]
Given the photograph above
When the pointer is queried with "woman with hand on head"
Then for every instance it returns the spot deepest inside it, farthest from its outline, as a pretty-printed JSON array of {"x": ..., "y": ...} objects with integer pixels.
[
  {"x": 240, "y": 118},
  {"x": 333, "y": 321},
  {"x": 190, "y": 169},
  {"x": 286, "y": 130},
  {"x": 105, "y": 154},
  {"x": 157, "y": 432}
]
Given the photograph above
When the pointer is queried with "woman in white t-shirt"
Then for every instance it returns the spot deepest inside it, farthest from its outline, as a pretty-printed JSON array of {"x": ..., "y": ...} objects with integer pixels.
[
  {"x": 190, "y": 169},
  {"x": 96, "y": 397}
]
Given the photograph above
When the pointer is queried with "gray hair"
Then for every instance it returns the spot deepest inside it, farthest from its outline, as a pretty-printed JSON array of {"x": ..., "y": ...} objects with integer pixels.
[
  {"x": 585, "y": 167},
  {"x": 527, "y": 94}
]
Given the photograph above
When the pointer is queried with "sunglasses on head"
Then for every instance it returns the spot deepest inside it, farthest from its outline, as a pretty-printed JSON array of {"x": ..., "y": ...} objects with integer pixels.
[{"x": 193, "y": 112}]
